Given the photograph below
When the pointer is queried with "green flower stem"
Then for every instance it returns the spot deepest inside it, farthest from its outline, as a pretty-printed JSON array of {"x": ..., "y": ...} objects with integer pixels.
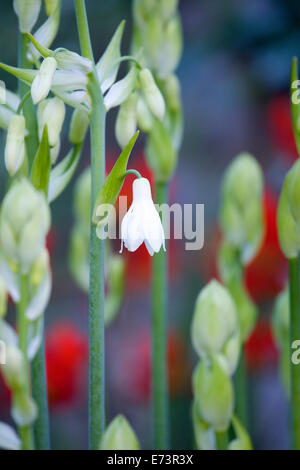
[
  {"x": 96, "y": 294},
  {"x": 39, "y": 393},
  {"x": 241, "y": 390},
  {"x": 159, "y": 338},
  {"x": 24, "y": 431},
  {"x": 295, "y": 335},
  {"x": 222, "y": 440},
  {"x": 32, "y": 140}
]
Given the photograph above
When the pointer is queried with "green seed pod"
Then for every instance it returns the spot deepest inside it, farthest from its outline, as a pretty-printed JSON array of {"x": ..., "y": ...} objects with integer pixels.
[
  {"x": 24, "y": 223},
  {"x": 241, "y": 210},
  {"x": 79, "y": 126},
  {"x": 15, "y": 144},
  {"x": 161, "y": 155},
  {"x": 214, "y": 395},
  {"x": 152, "y": 94},
  {"x": 51, "y": 112},
  {"x": 214, "y": 321},
  {"x": 288, "y": 231},
  {"x": 119, "y": 436},
  {"x": 281, "y": 327},
  {"x": 126, "y": 120},
  {"x": 28, "y": 12}
]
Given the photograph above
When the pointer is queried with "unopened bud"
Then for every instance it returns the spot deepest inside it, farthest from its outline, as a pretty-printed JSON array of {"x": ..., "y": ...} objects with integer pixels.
[
  {"x": 167, "y": 8},
  {"x": 42, "y": 82},
  {"x": 281, "y": 330},
  {"x": 24, "y": 410},
  {"x": 173, "y": 42},
  {"x": 51, "y": 112},
  {"x": 54, "y": 152},
  {"x": 24, "y": 223},
  {"x": 288, "y": 230},
  {"x": 50, "y": 6},
  {"x": 79, "y": 126},
  {"x": 242, "y": 440},
  {"x": 214, "y": 394},
  {"x": 144, "y": 116},
  {"x": 15, "y": 144},
  {"x": 126, "y": 120},
  {"x": 119, "y": 436},
  {"x": 28, "y": 12},
  {"x": 171, "y": 89},
  {"x": 294, "y": 192},
  {"x": 214, "y": 321},
  {"x": 39, "y": 268},
  {"x": 205, "y": 436},
  {"x": 160, "y": 152},
  {"x": 14, "y": 370},
  {"x": 152, "y": 94}
]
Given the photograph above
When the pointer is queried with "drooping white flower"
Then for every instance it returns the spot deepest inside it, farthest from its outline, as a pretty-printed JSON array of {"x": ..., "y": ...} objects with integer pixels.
[{"x": 142, "y": 222}]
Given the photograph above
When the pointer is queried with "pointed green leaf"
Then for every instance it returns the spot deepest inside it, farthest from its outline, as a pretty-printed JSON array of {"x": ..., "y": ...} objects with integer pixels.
[
  {"x": 112, "y": 186},
  {"x": 40, "y": 172},
  {"x": 295, "y": 105},
  {"x": 61, "y": 175},
  {"x": 44, "y": 51},
  {"x": 26, "y": 75}
]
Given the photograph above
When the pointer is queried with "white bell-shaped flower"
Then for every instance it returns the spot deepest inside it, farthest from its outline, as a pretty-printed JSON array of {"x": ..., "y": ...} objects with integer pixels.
[{"x": 142, "y": 222}]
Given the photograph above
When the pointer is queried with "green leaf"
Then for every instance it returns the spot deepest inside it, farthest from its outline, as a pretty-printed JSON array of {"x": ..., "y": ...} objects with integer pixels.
[
  {"x": 40, "y": 172},
  {"x": 112, "y": 186},
  {"x": 295, "y": 107},
  {"x": 44, "y": 51},
  {"x": 26, "y": 75},
  {"x": 61, "y": 175}
]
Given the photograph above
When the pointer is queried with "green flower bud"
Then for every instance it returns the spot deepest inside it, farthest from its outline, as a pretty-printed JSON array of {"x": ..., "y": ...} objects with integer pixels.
[
  {"x": 119, "y": 436},
  {"x": 229, "y": 357},
  {"x": 167, "y": 8},
  {"x": 24, "y": 410},
  {"x": 152, "y": 94},
  {"x": 50, "y": 6},
  {"x": 171, "y": 90},
  {"x": 294, "y": 193},
  {"x": 79, "y": 126},
  {"x": 15, "y": 144},
  {"x": 214, "y": 321},
  {"x": 126, "y": 120},
  {"x": 288, "y": 231},
  {"x": 281, "y": 327},
  {"x": 205, "y": 436},
  {"x": 144, "y": 116},
  {"x": 214, "y": 394},
  {"x": 3, "y": 299},
  {"x": 161, "y": 155},
  {"x": 51, "y": 112},
  {"x": 39, "y": 268},
  {"x": 241, "y": 210},
  {"x": 24, "y": 223},
  {"x": 242, "y": 441},
  {"x": 171, "y": 53},
  {"x": 28, "y": 12},
  {"x": 14, "y": 370},
  {"x": 42, "y": 82}
]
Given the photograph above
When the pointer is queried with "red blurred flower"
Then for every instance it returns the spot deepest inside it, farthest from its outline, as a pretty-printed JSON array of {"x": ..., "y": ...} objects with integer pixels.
[
  {"x": 260, "y": 349},
  {"x": 66, "y": 356},
  {"x": 5, "y": 395},
  {"x": 280, "y": 126},
  {"x": 133, "y": 375}
]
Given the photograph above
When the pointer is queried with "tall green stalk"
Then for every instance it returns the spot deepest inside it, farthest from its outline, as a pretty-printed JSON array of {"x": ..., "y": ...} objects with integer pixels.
[
  {"x": 159, "y": 338},
  {"x": 295, "y": 335},
  {"x": 24, "y": 431},
  {"x": 241, "y": 390},
  {"x": 222, "y": 440},
  {"x": 96, "y": 294}
]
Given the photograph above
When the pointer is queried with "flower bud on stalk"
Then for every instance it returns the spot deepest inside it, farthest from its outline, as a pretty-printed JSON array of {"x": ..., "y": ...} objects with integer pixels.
[
  {"x": 42, "y": 82},
  {"x": 15, "y": 144},
  {"x": 294, "y": 192},
  {"x": 126, "y": 120},
  {"x": 214, "y": 394},
  {"x": 144, "y": 116},
  {"x": 51, "y": 112},
  {"x": 161, "y": 155},
  {"x": 288, "y": 230},
  {"x": 119, "y": 436},
  {"x": 24, "y": 223},
  {"x": 171, "y": 89},
  {"x": 14, "y": 370},
  {"x": 24, "y": 410},
  {"x": 28, "y": 12},
  {"x": 79, "y": 126},
  {"x": 152, "y": 94}
]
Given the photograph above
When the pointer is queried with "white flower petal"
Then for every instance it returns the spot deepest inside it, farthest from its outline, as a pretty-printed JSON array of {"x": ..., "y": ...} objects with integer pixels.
[{"x": 9, "y": 439}]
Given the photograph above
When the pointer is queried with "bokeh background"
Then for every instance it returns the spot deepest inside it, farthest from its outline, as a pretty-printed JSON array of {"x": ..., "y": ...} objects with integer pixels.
[{"x": 234, "y": 75}]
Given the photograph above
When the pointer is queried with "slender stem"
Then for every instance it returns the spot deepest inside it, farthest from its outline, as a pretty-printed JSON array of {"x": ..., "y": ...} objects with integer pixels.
[
  {"x": 241, "y": 390},
  {"x": 32, "y": 140},
  {"x": 39, "y": 393},
  {"x": 159, "y": 341},
  {"x": 96, "y": 293},
  {"x": 133, "y": 172},
  {"x": 295, "y": 335},
  {"x": 25, "y": 431},
  {"x": 222, "y": 440}
]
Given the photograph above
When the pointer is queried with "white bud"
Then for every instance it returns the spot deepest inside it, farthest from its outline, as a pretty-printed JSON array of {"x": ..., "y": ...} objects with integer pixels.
[
  {"x": 126, "y": 120},
  {"x": 15, "y": 144},
  {"x": 121, "y": 90},
  {"x": 28, "y": 12},
  {"x": 42, "y": 82},
  {"x": 14, "y": 368},
  {"x": 152, "y": 94},
  {"x": 51, "y": 113}
]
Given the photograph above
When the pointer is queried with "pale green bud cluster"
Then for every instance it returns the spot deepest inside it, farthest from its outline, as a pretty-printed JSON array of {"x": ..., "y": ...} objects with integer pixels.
[
  {"x": 24, "y": 223},
  {"x": 28, "y": 12},
  {"x": 119, "y": 435},
  {"x": 15, "y": 144},
  {"x": 215, "y": 337},
  {"x": 281, "y": 326},
  {"x": 241, "y": 210},
  {"x": 288, "y": 214}
]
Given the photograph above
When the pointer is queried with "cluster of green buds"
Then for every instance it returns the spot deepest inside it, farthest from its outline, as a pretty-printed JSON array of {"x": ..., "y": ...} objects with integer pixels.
[
  {"x": 242, "y": 223},
  {"x": 281, "y": 327},
  {"x": 216, "y": 339},
  {"x": 119, "y": 435},
  {"x": 79, "y": 251}
]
